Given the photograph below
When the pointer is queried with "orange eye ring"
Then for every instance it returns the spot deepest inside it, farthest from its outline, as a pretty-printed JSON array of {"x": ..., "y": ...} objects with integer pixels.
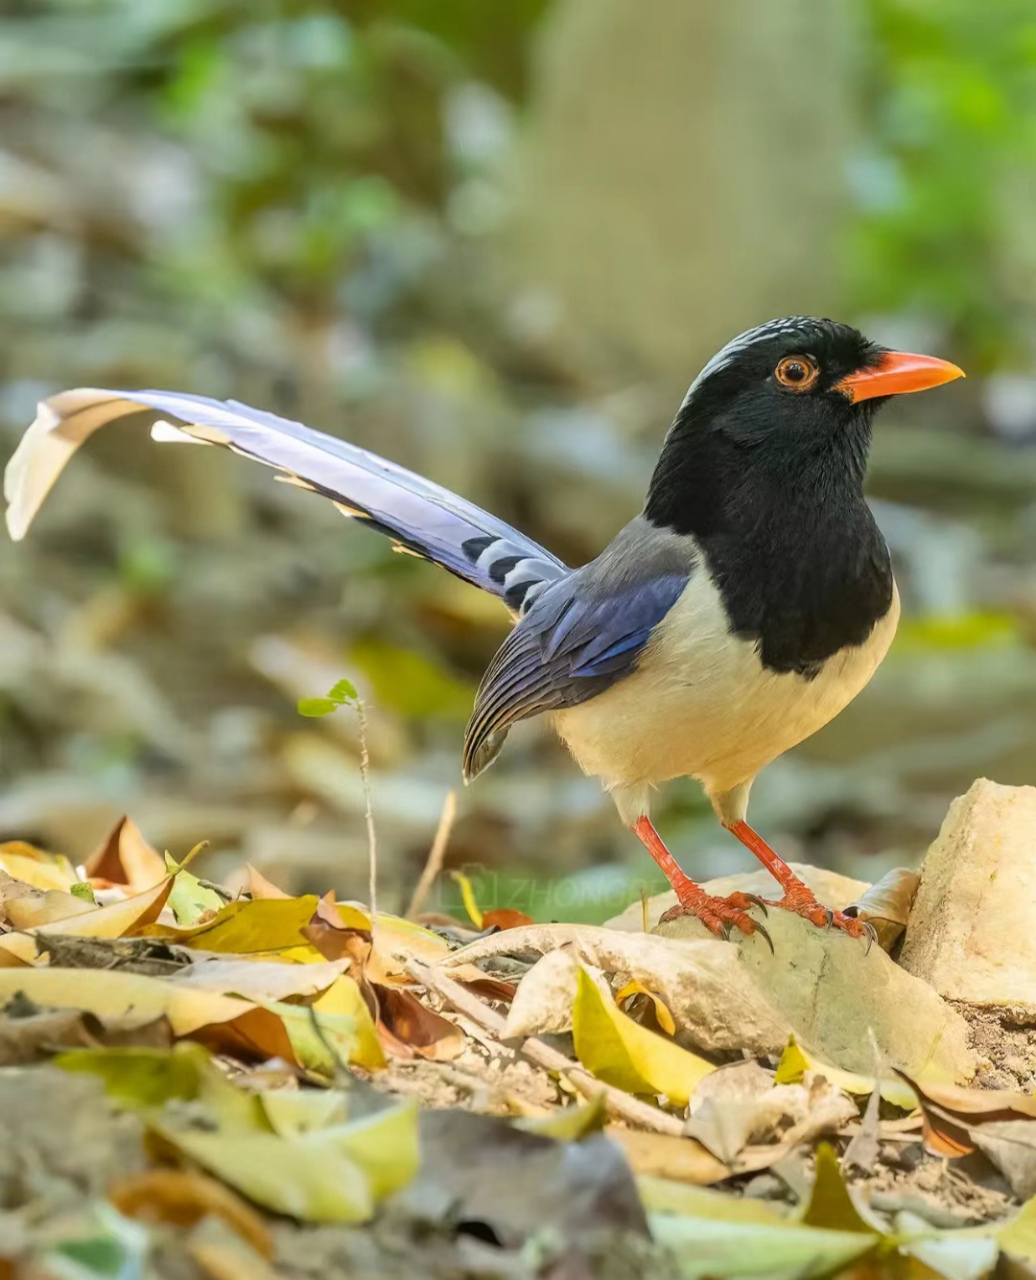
[{"x": 797, "y": 373}]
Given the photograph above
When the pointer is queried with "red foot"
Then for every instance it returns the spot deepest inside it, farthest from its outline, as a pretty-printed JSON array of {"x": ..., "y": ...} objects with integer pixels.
[
  {"x": 719, "y": 915},
  {"x": 801, "y": 901}
]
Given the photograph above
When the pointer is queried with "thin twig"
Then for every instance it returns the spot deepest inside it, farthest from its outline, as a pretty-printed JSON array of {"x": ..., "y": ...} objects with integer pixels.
[
  {"x": 372, "y": 841},
  {"x": 618, "y": 1103},
  {"x": 435, "y": 854}
]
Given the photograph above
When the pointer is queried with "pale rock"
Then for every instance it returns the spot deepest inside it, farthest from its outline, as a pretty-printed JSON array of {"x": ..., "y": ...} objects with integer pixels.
[
  {"x": 715, "y": 1004},
  {"x": 835, "y": 994},
  {"x": 970, "y": 931}
]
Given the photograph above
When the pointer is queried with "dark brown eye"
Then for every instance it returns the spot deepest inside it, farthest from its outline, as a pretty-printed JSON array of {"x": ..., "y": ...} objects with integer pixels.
[{"x": 797, "y": 373}]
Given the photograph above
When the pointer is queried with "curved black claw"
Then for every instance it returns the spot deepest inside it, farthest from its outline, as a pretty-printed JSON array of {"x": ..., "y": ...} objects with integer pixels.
[
  {"x": 757, "y": 902},
  {"x": 766, "y": 934},
  {"x": 728, "y": 926},
  {"x": 872, "y": 936},
  {"x": 829, "y": 918}
]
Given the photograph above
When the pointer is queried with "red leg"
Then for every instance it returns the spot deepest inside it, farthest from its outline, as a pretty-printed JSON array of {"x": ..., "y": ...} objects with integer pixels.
[
  {"x": 798, "y": 897},
  {"x": 717, "y": 914}
]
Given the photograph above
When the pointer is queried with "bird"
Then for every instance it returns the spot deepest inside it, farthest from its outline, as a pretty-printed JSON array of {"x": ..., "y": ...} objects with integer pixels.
[{"x": 750, "y": 600}]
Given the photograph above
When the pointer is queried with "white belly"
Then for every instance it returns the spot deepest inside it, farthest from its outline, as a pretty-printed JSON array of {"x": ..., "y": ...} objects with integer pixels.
[{"x": 702, "y": 705}]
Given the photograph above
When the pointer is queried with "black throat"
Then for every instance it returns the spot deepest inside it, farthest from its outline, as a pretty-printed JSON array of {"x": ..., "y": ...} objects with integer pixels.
[{"x": 785, "y": 531}]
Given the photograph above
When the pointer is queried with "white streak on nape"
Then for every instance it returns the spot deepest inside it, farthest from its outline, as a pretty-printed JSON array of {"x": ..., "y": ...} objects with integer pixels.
[{"x": 736, "y": 346}]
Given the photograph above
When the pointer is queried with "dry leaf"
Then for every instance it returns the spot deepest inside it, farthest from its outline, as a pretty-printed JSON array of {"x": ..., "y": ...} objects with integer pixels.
[
  {"x": 345, "y": 997},
  {"x": 413, "y": 1024},
  {"x": 886, "y": 904},
  {"x": 182, "y": 1197},
  {"x": 34, "y": 867},
  {"x": 505, "y": 918},
  {"x": 260, "y": 979},
  {"x": 951, "y": 1112},
  {"x": 39, "y": 910},
  {"x": 622, "y": 1053},
  {"x": 260, "y": 887},
  {"x": 117, "y": 919},
  {"x": 126, "y": 858},
  {"x": 634, "y": 989},
  {"x": 662, "y": 1155},
  {"x": 233, "y": 1026}
]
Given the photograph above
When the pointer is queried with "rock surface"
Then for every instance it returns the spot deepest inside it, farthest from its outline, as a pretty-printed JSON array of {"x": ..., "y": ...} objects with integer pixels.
[
  {"x": 841, "y": 999},
  {"x": 970, "y": 933}
]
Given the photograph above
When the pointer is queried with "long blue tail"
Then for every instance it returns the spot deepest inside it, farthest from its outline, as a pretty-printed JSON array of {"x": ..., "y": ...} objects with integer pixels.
[{"x": 421, "y": 517}]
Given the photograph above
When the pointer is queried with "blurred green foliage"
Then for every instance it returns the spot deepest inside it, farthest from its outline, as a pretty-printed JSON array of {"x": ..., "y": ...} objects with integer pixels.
[{"x": 951, "y": 142}]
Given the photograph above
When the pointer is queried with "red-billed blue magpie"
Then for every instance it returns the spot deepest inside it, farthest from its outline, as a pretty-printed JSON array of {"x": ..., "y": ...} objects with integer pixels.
[{"x": 746, "y": 605}]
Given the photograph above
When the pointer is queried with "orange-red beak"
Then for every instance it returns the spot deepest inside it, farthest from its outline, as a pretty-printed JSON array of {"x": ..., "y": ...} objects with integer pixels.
[{"x": 895, "y": 373}]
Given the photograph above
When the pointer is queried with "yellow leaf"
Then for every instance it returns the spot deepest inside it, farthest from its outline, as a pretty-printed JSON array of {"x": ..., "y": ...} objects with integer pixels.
[
  {"x": 117, "y": 919},
  {"x": 344, "y": 997},
  {"x": 384, "y": 1145},
  {"x": 795, "y": 1062},
  {"x": 830, "y": 1206},
  {"x": 34, "y": 867},
  {"x": 242, "y": 927},
  {"x": 292, "y": 1112},
  {"x": 622, "y": 1053},
  {"x": 662, "y": 1014},
  {"x": 313, "y": 1184},
  {"x": 355, "y": 917},
  {"x": 568, "y": 1124},
  {"x": 467, "y": 894},
  {"x": 235, "y": 1026},
  {"x": 663, "y": 1195}
]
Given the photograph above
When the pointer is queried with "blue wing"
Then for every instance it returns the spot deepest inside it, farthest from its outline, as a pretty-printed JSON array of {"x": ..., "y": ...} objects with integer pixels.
[{"x": 578, "y": 638}]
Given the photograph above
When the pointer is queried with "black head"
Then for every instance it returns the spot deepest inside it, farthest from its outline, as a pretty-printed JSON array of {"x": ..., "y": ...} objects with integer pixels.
[{"x": 787, "y": 405}]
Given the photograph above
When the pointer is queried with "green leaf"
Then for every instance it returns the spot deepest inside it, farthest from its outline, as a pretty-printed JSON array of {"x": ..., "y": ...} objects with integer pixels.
[
  {"x": 189, "y": 898},
  {"x": 142, "y": 1077},
  {"x": 344, "y": 691},
  {"x": 81, "y": 889},
  {"x": 315, "y": 707}
]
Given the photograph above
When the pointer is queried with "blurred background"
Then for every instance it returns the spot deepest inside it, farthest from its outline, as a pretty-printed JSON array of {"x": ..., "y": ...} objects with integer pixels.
[{"x": 495, "y": 242}]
